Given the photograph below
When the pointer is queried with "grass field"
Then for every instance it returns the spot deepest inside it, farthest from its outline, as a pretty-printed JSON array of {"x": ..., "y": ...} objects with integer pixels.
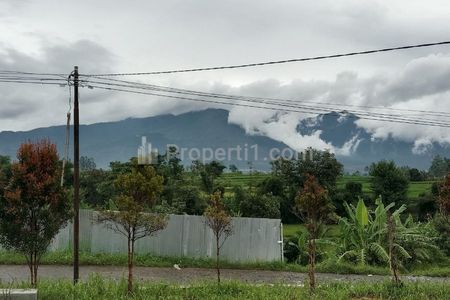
[
  {"x": 230, "y": 180},
  {"x": 415, "y": 187},
  {"x": 291, "y": 229},
  {"x": 149, "y": 260},
  {"x": 99, "y": 288}
]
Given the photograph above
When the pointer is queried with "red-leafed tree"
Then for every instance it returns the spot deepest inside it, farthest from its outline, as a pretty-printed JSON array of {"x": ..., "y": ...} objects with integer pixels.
[
  {"x": 313, "y": 206},
  {"x": 444, "y": 196},
  {"x": 33, "y": 206},
  {"x": 441, "y": 220}
]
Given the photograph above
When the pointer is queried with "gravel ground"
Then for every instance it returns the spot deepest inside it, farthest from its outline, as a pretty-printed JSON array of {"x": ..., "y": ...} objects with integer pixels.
[{"x": 9, "y": 273}]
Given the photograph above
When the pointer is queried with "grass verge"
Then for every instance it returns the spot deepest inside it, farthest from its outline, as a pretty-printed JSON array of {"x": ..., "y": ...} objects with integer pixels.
[
  {"x": 98, "y": 288},
  {"x": 149, "y": 260}
]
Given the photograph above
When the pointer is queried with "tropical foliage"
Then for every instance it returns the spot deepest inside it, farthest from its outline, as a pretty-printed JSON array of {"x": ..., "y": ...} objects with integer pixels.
[
  {"x": 296, "y": 248},
  {"x": 364, "y": 235}
]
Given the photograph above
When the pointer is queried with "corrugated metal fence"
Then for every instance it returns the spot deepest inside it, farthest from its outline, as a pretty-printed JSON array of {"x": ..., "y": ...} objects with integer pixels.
[{"x": 254, "y": 239}]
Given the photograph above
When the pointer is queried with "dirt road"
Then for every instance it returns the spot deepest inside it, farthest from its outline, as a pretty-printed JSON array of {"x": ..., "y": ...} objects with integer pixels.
[{"x": 9, "y": 273}]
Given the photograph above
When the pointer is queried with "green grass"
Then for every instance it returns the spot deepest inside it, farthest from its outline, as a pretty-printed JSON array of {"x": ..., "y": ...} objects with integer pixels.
[
  {"x": 364, "y": 180},
  {"x": 149, "y": 260},
  {"x": 98, "y": 288},
  {"x": 145, "y": 260},
  {"x": 290, "y": 230},
  {"x": 230, "y": 180}
]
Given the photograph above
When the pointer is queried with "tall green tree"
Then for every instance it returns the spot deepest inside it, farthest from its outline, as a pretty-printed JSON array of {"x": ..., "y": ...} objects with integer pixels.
[
  {"x": 96, "y": 188},
  {"x": 34, "y": 206},
  {"x": 208, "y": 173},
  {"x": 351, "y": 193},
  {"x": 258, "y": 205},
  {"x": 440, "y": 166},
  {"x": 389, "y": 182},
  {"x": 171, "y": 169},
  {"x": 323, "y": 165},
  {"x": 87, "y": 164},
  {"x": 132, "y": 214}
]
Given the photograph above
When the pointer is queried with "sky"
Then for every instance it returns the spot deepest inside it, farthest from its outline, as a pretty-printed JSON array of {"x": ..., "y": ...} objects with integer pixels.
[{"x": 140, "y": 35}]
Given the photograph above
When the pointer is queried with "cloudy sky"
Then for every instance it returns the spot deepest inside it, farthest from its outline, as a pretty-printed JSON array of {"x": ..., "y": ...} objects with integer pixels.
[{"x": 141, "y": 35}]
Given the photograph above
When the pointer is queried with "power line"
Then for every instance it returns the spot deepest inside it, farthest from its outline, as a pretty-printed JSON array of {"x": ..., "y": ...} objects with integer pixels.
[
  {"x": 283, "y": 108},
  {"x": 273, "y": 104},
  {"x": 32, "y": 73},
  {"x": 297, "y": 105},
  {"x": 62, "y": 83},
  {"x": 32, "y": 78},
  {"x": 334, "y": 106},
  {"x": 276, "y": 104},
  {"x": 394, "y": 120},
  {"x": 276, "y": 61}
]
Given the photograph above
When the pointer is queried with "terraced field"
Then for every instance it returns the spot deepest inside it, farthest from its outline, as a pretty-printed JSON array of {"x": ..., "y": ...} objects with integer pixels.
[{"x": 230, "y": 180}]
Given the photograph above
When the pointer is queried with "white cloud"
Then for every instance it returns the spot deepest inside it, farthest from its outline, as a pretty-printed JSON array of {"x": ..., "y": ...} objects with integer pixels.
[
  {"x": 141, "y": 36},
  {"x": 282, "y": 128}
]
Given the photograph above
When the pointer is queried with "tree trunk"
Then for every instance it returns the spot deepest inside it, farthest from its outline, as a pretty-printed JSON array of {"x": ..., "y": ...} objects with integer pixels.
[
  {"x": 35, "y": 269},
  {"x": 30, "y": 266},
  {"x": 312, "y": 264},
  {"x": 393, "y": 264},
  {"x": 217, "y": 260},
  {"x": 33, "y": 266},
  {"x": 130, "y": 264},
  {"x": 312, "y": 258}
]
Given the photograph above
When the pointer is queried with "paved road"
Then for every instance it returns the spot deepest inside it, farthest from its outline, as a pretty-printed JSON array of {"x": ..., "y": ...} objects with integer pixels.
[{"x": 10, "y": 273}]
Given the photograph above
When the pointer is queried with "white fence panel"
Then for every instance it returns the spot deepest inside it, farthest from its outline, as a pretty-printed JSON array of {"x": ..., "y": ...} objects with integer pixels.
[{"x": 254, "y": 239}]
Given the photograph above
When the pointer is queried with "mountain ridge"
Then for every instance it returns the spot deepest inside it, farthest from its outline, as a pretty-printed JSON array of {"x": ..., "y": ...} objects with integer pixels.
[{"x": 210, "y": 128}]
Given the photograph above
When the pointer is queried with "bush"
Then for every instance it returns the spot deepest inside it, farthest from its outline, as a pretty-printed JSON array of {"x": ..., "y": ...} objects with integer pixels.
[
  {"x": 441, "y": 223},
  {"x": 261, "y": 206}
]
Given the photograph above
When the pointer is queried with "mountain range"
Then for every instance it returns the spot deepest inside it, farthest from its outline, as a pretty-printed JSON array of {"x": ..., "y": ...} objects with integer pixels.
[{"x": 209, "y": 129}]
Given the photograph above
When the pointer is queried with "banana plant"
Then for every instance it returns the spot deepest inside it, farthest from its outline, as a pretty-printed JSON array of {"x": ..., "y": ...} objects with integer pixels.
[
  {"x": 297, "y": 247},
  {"x": 364, "y": 234},
  {"x": 415, "y": 241}
]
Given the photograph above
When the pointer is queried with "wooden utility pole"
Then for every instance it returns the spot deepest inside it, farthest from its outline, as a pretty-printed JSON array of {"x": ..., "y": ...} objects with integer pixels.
[{"x": 76, "y": 179}]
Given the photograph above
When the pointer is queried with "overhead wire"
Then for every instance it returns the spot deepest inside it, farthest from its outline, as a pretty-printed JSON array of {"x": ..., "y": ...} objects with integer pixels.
[
  {"x": 283, "y": 109},
  {"x": 263, "y": 99},
  {"x": 32, "y": 78},
  {"x": 276, "y": 61},
  {"x": 10, "y": 76},
  {"x": 258, "y": 102},
  {"x": 34, "y": 82},
  {"x": 277, "y": 104},
  {"x": 32, "y": 73}
]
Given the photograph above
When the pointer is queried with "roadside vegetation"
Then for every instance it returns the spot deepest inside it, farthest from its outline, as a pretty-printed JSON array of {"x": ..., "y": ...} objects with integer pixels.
[
  {"x": 393, "y": 220},
  {"x": 441, "y": 269},
  {"x": 98, "y": 288}
]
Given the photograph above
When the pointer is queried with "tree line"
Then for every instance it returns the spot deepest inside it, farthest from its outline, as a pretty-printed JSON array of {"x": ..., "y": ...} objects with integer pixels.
[
  {"x": 135, "y": 200},
  {"x": 35, "y": 203}
]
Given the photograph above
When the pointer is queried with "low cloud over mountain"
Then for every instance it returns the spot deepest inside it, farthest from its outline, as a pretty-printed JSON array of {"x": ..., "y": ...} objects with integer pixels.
[{"x": 214, "y": 128}]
